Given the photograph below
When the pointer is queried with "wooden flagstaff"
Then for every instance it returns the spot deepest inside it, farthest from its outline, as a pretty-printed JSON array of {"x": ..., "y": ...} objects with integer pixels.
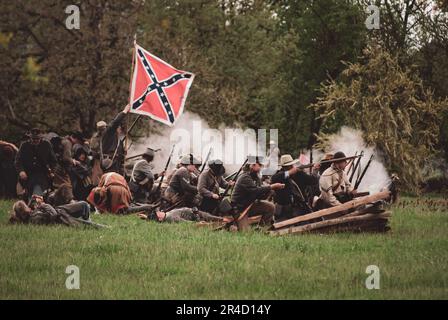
[{"x": 130, "y": 88}]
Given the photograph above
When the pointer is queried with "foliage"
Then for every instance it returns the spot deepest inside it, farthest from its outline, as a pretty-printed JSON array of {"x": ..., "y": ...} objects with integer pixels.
[
  {"x": 393, "y": 109},
  {"x": 325, "y": 33},
  {"x": 258, "y": 63},
  {"x": 63, "y": 79}
]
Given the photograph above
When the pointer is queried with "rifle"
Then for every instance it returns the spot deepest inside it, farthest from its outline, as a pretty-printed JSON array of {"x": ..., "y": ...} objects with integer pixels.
[
  {"x": 304, "y": 166},
  {"x": 356, "y": 166},
  {"x": 351, "y": 164},
  {"x": 358, "y": 182},
  {"x": 206, "y": 159},
  {"x": 344, "y": 196},
  {"x": 299, "y": 198},
  {"x": 230, "y": 176},
  {"x": 236, "y": 176},
  {"x": 138, "y": 155},
  {"x": 166, "y": 168}
]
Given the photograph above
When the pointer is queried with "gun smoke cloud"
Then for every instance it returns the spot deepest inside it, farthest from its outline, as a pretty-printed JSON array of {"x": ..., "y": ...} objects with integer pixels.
[
  {"x": 192, "y": 134},
  {"x": 349, "y": 141}
]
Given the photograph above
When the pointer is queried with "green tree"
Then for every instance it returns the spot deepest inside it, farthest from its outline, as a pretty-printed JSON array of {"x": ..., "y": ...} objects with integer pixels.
[
  {"x": 61, "y": 79},
  {"x": 326, "y": 32},
  {"x": 391, "y": 106}
]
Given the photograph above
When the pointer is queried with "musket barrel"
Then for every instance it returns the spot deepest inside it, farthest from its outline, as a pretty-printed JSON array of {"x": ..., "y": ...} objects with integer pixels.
[{"x": 304, "y": 166}]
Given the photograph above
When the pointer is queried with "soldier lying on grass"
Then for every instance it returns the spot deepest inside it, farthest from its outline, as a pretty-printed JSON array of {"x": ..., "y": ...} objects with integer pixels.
[
  {"x": 39, "y": 212},
  {"x": 182, "y": 215}
]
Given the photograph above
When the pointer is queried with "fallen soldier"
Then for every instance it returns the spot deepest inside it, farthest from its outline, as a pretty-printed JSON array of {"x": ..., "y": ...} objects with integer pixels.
[
  {"x": 182, "y": 215},
  {"x": 39, "y": 212}
]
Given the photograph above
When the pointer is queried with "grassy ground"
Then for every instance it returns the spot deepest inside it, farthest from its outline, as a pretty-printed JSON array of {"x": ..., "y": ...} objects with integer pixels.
[{"x": 139, "y": 259}]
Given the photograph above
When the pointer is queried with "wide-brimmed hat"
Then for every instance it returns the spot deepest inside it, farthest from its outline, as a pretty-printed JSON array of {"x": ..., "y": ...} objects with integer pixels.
[{"x": 287, "y": 160}]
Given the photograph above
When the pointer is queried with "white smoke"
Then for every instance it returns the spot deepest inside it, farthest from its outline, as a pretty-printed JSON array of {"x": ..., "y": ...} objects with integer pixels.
[
  {"x": 192, "y": 134},
  {"x": 349, "y": 141}
]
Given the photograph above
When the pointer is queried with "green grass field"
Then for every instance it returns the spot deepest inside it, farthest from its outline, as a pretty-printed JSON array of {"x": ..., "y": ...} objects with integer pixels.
[{"x": 136, "y": 259}]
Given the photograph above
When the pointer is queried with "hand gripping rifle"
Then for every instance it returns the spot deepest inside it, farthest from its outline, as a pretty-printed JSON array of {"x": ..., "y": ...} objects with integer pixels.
[
  {"x": 224, "y": 204},
  {"x": 226, "y": 191},
  {"x": 166, "y": 168}
]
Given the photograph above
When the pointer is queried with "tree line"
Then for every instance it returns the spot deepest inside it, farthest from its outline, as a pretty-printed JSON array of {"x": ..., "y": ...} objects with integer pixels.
[{"x": 304, "y": 67}]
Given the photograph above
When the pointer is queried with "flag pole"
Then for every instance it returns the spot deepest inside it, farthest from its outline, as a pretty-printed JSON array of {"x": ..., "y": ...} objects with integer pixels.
[{"x": 130, "y": 88}]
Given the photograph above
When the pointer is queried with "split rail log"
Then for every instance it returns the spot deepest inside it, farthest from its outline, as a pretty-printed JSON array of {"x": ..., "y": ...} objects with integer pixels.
[
  {"x": 332, "y": 222},
  {"x": 377, "y": 225},
  {"x": 326, "y": 212}
]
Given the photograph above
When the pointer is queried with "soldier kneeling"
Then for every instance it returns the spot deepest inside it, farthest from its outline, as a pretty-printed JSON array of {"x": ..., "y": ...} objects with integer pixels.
[
  {"x": 334, "y": 184},
  {"x": 250, "y": 192},
  {"x": 181, "y": 192}
]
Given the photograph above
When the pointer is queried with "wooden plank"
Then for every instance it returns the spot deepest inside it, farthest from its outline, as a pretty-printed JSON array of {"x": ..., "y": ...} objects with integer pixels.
[
  {"x": 376, "y": 225},
  {"x": 325, "y": 212},
  {"x": 255, "y": 219},
  {"x": 242, "y": 221},
  {"x": 332, "y": 222}
]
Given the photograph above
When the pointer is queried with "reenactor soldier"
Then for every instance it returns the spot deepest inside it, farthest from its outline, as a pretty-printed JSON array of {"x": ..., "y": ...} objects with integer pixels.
[
  {"x": 183, "y": 215},
  {"x": 209, "y": 183},
  {"x": 34, "y": 162},
  {"x": 62, "y": 148},
  {"x": 112, "y": 150},
  {"x": 39, "y": 212},
  {"x": 81, "y": 173},
  {"x": 334, "y": 184},
  {"x": 289, "y": 201},
  {"x": 249, "y": 191},
  {"x": 95, "y": 149},
  {"x": 172, "y": 172},
  {"x": 181, "y": 190},
  {"x": 142, "y": 179},
  {"x": 112, "y": 194}
]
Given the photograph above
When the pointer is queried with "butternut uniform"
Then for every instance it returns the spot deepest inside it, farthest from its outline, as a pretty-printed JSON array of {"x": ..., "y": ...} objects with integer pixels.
[{"x": 333, "y": 181}]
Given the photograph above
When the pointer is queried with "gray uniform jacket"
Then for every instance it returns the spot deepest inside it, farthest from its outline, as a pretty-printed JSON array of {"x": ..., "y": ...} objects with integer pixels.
[
  {"x": 209, "y": 184},
  {"x": 247, "y": 189},
  {"x": 181, "y": 182},
  {"x": 187, "y": 214}
]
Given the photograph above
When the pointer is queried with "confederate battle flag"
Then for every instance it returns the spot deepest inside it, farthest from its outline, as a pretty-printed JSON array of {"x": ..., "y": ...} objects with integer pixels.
[{"x": 158, "y": 90}]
